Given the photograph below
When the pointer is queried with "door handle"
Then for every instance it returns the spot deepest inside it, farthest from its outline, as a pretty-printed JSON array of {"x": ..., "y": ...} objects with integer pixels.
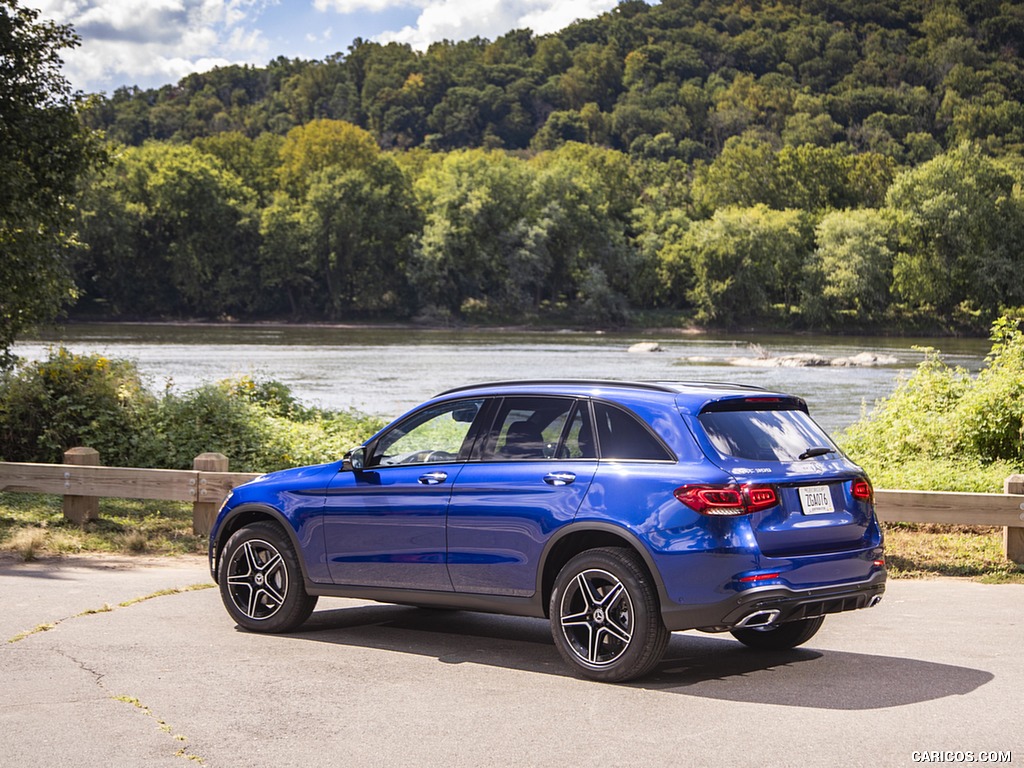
[
  {"x": 559, "y": 478},
  {"x": 433, "y": 478}
]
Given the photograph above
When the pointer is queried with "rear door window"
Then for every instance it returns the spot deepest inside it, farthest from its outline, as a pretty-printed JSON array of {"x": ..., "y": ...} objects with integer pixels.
[
  {"x": 538, "y": 428},
  {"x": 766, "y": 435}
]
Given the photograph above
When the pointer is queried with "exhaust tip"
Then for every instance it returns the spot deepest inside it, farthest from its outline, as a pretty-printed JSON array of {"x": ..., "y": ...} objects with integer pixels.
[
  {"x": 758, "y": 619},
  {"x": 875, "y": 601}
]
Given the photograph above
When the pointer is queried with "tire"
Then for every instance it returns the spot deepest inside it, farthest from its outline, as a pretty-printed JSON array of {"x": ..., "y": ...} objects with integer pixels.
[
  {"x": 781, "y": 637},
  {"x": 605, "y": 616},
  {"x": 261, "y": 581}
]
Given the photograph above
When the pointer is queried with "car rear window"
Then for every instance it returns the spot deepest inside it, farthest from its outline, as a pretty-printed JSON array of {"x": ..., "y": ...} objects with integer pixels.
[{"x": 769, "y": 435}]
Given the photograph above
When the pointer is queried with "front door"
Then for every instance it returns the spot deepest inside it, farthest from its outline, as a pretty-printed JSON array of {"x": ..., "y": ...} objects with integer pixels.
[{"x": 384, "y": 525}]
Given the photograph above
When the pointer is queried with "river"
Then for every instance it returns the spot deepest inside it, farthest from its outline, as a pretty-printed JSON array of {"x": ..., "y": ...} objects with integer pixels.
[{"x": 386, "y": 371}]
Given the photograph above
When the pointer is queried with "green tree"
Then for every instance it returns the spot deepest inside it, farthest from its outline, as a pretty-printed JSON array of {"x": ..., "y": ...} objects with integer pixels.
[
  {"x": 959, "y": 221},
  {"x": 744, "y": 174},
  {"x": 584, "y": 198},
  {"x": 170, "y": 231},
  {"x": 851, "y": 269},
  {"x": 320, "y": 144},
  {"x": 745, "y": 260},
  {"x": 45, "y": 149},
  {"x": 559, "y": 128},
  {"x": 356, "y": 228},
  {"x": 254, "y": 161},
  {"x": 288, "y": 284},
  {"x": 478, "y": 251}
]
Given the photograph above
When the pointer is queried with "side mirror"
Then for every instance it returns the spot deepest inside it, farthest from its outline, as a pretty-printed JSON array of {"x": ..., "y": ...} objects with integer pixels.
[{"x": 354, "y": 460}]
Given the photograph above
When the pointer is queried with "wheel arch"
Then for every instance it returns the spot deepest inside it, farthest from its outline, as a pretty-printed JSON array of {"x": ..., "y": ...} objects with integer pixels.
[
  {"x": 246, "y": 514},
  {"x": 579, "y": 537}
]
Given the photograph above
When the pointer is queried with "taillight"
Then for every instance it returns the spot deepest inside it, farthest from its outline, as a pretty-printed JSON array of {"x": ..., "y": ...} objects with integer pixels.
[
  {"x": 761, "y": 497},
  {"x": 727, "y": 500},
  {"x": 861, "y": 490}
]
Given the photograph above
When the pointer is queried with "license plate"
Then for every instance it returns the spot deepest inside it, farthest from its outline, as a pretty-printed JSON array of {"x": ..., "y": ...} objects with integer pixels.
[{"x": 816, "y": 500}]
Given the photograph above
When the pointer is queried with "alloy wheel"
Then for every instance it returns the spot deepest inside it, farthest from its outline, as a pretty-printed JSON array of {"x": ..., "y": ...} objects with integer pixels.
[
  {"x": 257, "y": 579},
  {"x": 596, "y": 617}
]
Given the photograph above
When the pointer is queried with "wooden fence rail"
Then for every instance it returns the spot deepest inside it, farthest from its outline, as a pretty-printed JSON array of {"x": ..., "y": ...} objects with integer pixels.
[
  {"x": 82, "y": 482},
  {"x": 998, "y": 509}
]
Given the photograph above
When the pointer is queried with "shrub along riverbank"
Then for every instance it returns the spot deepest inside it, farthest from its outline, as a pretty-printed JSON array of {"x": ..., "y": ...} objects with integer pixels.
[{"x": 941, "y": 429}]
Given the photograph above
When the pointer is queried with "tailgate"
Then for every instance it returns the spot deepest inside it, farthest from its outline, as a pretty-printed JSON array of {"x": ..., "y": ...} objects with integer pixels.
[
  {"x": 825, "y": 502},
  {"x": 815, "y": 516}
]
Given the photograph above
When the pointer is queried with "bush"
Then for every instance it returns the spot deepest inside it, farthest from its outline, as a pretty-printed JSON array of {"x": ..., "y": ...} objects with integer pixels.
[
  {"x": 941, "y": 429},
  {"x": 320, "y": 438},
  {"x": 258, "y": 425},
  {"x": 67, "y": 400},
  {"x": 209, "y": 418},
  {"x": 991, "y": 417}
]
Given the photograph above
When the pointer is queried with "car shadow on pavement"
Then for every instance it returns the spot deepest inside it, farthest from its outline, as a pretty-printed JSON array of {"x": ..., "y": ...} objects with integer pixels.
[{"x": 715, "y": 667}]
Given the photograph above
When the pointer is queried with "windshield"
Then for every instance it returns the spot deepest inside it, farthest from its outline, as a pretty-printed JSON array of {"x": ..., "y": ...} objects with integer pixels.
[{"x": 774, "y": 435}]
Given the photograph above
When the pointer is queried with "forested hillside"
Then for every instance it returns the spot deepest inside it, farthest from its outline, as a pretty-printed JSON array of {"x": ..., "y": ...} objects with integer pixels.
[{"x": 818, "y": 164}]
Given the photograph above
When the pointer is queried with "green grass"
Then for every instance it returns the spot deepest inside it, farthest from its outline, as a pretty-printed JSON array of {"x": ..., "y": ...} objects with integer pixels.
[
  {"x": 32, "y": 526},
  {"x": 920, "y": 551}
]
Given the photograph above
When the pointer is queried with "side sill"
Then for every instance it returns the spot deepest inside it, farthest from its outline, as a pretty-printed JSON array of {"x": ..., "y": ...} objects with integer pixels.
[{"x": 512, "y": 606}]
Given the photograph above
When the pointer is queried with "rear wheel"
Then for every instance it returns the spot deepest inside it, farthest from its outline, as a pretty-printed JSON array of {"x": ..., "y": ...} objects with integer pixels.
[
  {"x": 605, "y": 618},
  {"x": 780, "y": 637},
  {"x": 261, "y": 581}
]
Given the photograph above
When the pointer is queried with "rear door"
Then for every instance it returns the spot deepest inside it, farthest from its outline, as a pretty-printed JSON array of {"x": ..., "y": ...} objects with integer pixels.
[
  {"x": 532, "y": 470},
  {"x": 772, "y": 441}
]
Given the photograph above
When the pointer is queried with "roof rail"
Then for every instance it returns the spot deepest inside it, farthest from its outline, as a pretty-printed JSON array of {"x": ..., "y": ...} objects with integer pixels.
[
  {"x": 654, "y": 386},
  {"x": 711, "y": 385}
]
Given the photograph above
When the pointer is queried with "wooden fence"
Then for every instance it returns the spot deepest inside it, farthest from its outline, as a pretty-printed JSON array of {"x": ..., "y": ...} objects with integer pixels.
[{"x": 81, "y": 481}]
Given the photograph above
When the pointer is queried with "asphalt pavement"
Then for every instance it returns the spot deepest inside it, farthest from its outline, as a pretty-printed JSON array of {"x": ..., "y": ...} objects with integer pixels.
[{"x": 171, "y": 681}]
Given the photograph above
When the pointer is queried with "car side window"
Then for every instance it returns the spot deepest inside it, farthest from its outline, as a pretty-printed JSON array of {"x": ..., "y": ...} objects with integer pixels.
[
  {"x": 579, "y": 439},
  {"x": 622, "y": 435},
  {"x": 434, "y": 435},
  {"x": 532, "y": 428}
]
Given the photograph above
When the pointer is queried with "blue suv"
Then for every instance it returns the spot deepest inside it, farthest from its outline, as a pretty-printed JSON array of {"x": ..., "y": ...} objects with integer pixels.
[{"x": 621, "y": 511}]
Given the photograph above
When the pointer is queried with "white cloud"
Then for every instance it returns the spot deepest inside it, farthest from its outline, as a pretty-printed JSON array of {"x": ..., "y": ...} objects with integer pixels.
[
  {"x": 155, "y": 41},
  {"x": 374, "y": 6},
  {"x": 152, "y": 42},
  {"x": 461, "y": 19},
  {"x": 324, "y": 36}
]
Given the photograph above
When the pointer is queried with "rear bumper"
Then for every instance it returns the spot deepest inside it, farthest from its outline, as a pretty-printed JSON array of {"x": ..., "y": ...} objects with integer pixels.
[{"x": 761, "y": 606}]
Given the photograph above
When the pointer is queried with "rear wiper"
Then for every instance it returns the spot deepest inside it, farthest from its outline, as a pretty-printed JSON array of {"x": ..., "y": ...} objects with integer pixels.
[{"x": 810, "y": 453}]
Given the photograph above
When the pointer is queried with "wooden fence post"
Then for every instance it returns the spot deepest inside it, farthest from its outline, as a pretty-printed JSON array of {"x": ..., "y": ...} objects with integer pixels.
[
  {"x": 80, "y": 509},
  {"x": 204, "y": 512},
  {"x": 1013, "y": 538}
]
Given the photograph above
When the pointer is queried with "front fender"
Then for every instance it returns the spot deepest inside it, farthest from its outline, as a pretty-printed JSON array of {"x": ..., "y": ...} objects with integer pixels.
[{"x": 305, "y": 541}]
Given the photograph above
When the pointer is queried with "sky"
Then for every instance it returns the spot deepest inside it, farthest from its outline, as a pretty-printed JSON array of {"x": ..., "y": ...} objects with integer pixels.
[{"x": 154, "y": 42}]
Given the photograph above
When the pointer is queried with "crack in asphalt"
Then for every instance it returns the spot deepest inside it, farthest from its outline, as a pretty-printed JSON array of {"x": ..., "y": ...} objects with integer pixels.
[
  {"x": 98, "y": 679},
  {"x": 98, "y": 676},
  {"x": 107, "y": 608},
  {"x": 162, "y": 724}
]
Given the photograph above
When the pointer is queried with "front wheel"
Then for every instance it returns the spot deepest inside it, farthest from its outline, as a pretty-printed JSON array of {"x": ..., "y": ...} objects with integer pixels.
[
  {"x": 605, "y": 618},
  {"x": 781, "y": 637},
  {"x": 261, "y": 581}
]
